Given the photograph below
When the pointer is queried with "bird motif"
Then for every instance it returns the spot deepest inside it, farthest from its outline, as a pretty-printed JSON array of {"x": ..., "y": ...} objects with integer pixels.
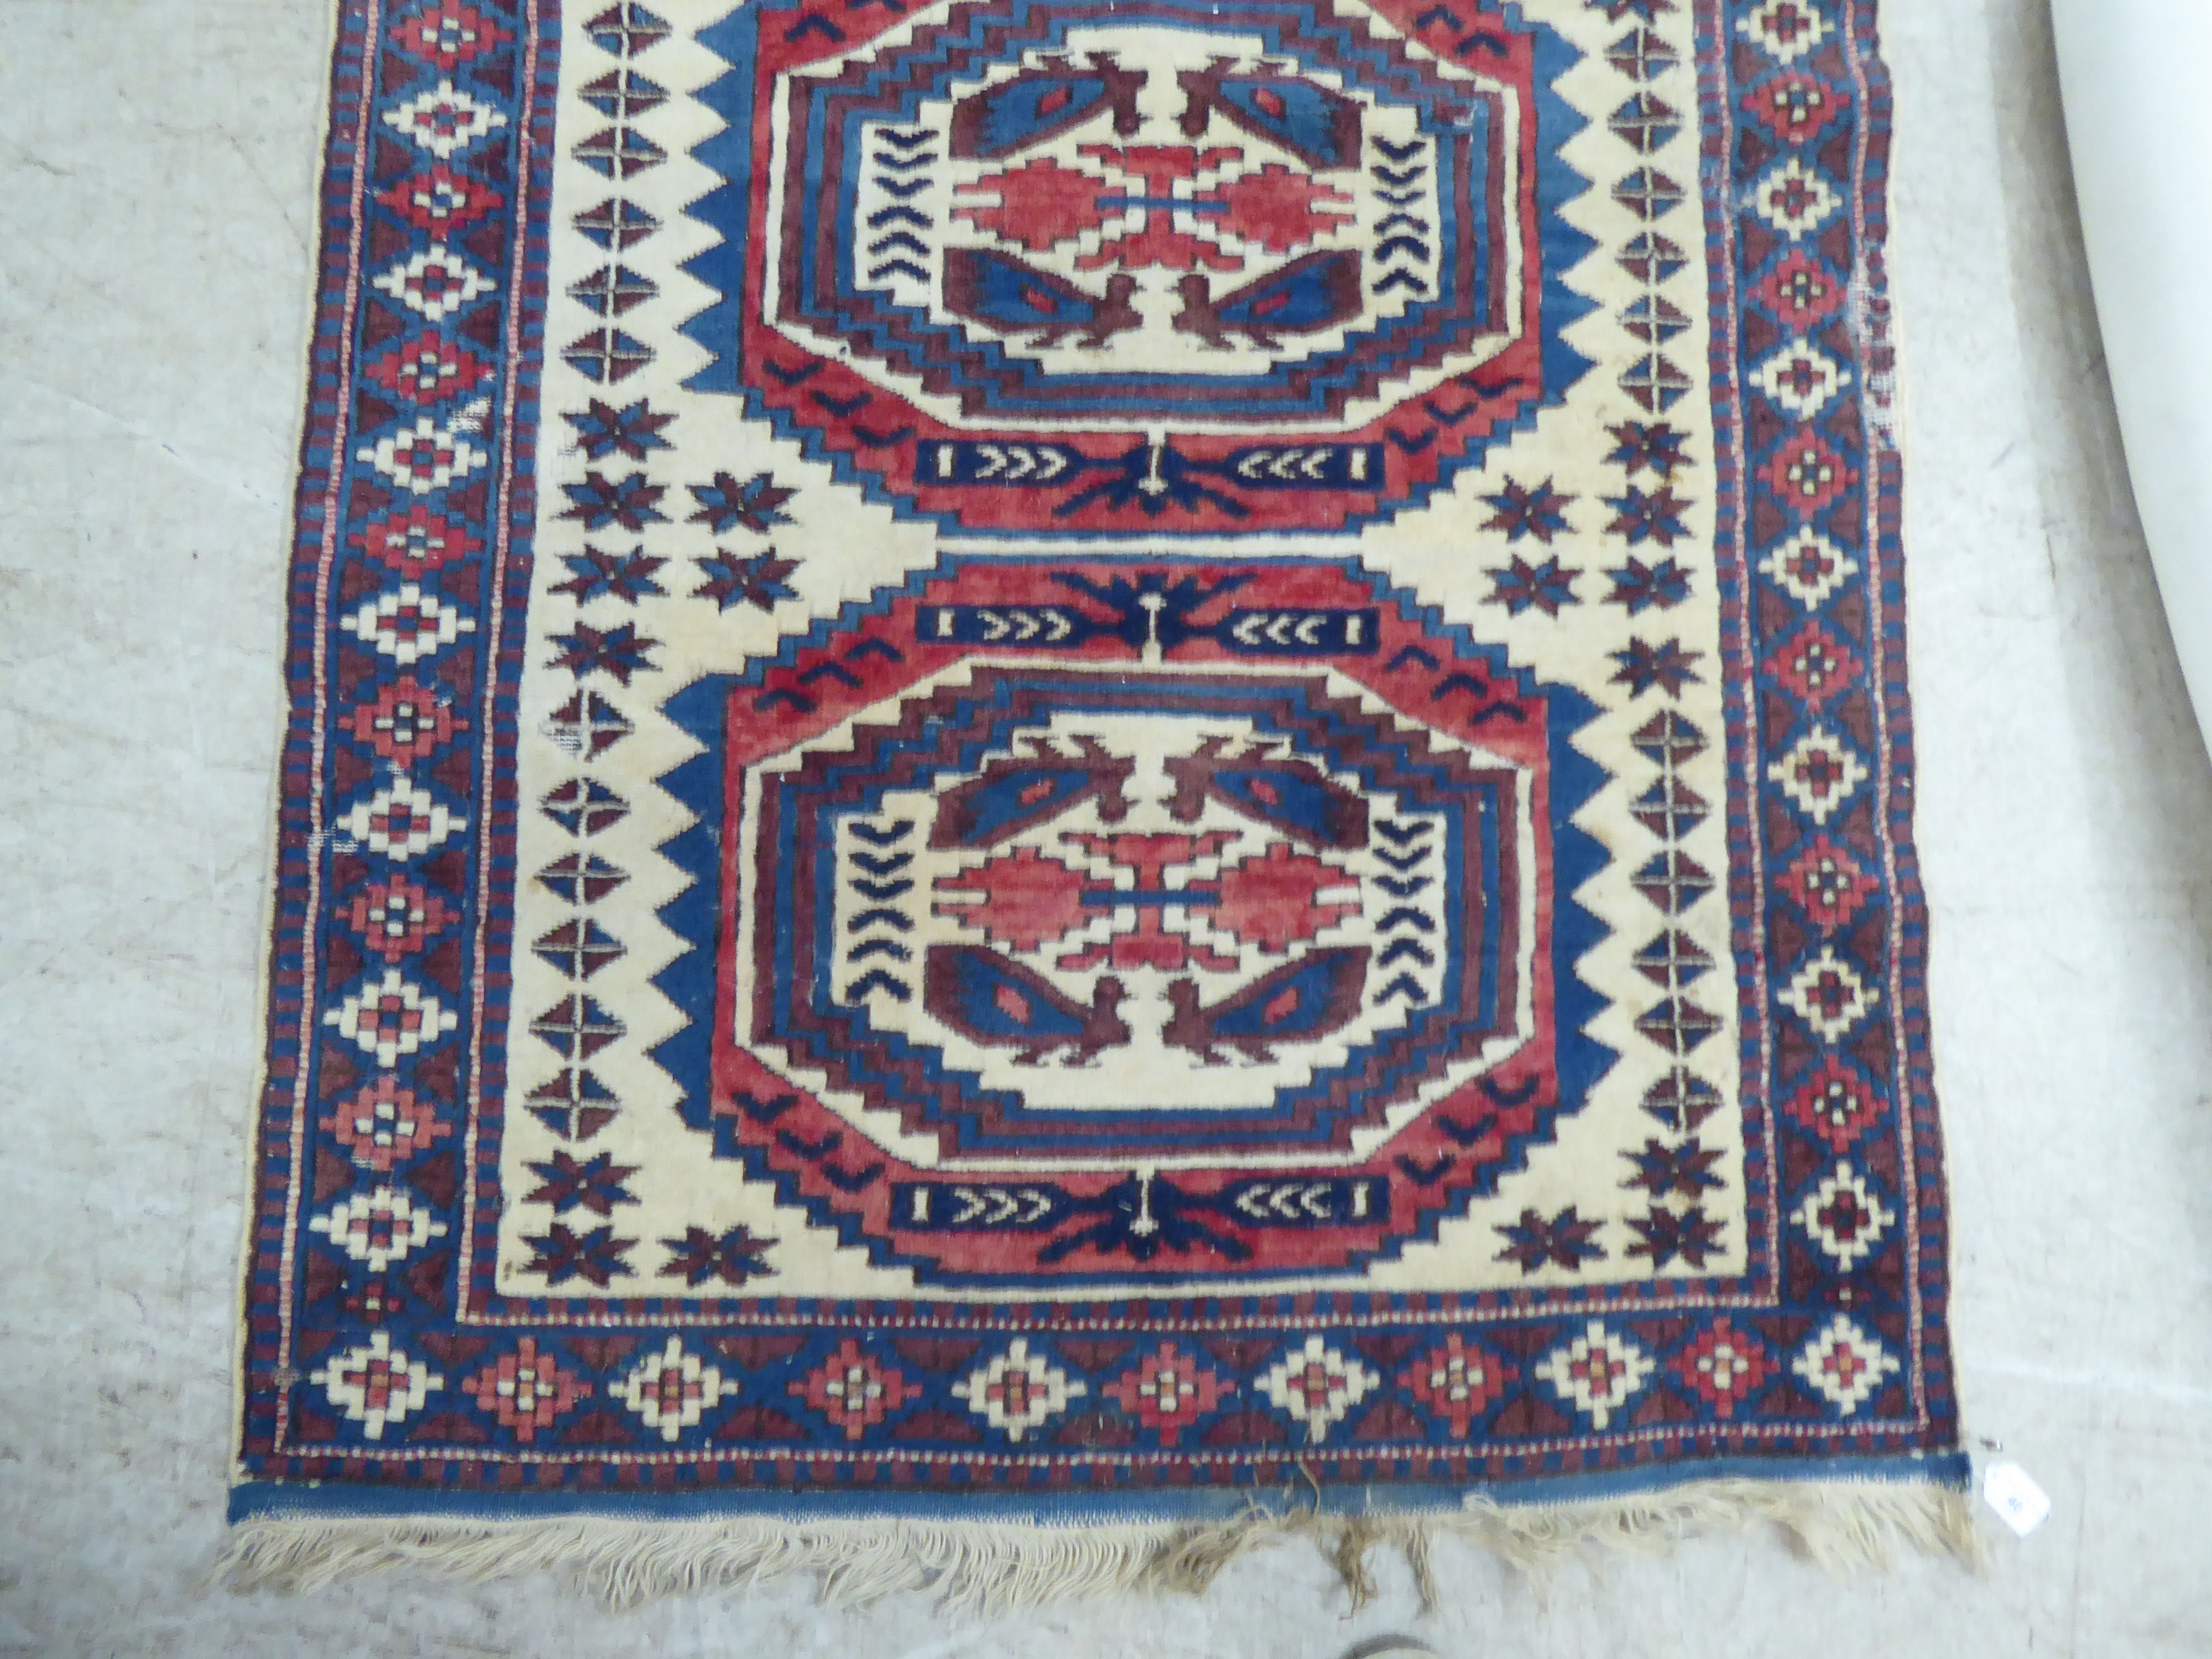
[
  {"x": 1300, "y": 1002},
  {"x": 998, "y": 1004},
  {"x": 1305, "y": 296},
  {"x": 1013, "y": 297}
]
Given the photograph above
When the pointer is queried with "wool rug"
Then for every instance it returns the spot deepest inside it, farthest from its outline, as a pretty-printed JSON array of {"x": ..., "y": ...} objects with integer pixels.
[{"x": 1071, "y": 781}]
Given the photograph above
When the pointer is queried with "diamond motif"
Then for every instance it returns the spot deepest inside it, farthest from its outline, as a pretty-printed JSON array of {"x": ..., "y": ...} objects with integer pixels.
[
  {"x": 1829, "y": 996},
  {"x": 617, "y": 224},
  {"x": 613, "y": 291},
  {"x": 450, "y": 33},
  {"x": 1819, "y": 773},
  {"x": 1597, "y": 1373},
  {"x": 1674, "y": 960},
  {"x": 1316, "y": 1386},
  {"x": 1651, "y": 257},
  {"x": 381, "y": 1227},
  {"x": 1828, "y": 883},
  {"x": 1808, "y": 474},
  {"x": 1809, "y": 569},
  {"x": 1646, "y": 122},
  {"x": 423, "y": 457},
  {"x": 1845, "y": 1217},
  {"x": 579, "y": 948},
  {"x": 1017, "y": 1391},
  {"x": 396, "y": 917},
  {"x": 671, "y": 1389},
  {"x": 375, "y": 1385},
  {"x": 1667, "y": 740},
  {"x": 383, "y": 1125},
  {"x": 390, "y": 1017},
  {"x": 1458, "y": 1381},
  {"x": 573, "y": 1103},
  {"x": 606, "y": 355},
  {"x": 1678, "y": 1025},
  {"x": 584, "y": 806},
  {"x": 439, "y": 199},
  {"x": 626, "y": 28},
  {"x": 586, "y": 726},
  {"x": 1834, "y": 1105},
  {"x": 427, "y": 370},
  {"x": 1788, "y": 29},
  {"x": 623, "y": 94},
  {"x": 444, "y": 120},
  {"x": 1673, "y": 881},
  {"x": 1844, "y": 1364},
  {"x": 417, "y": 539},
  {"x": 407, "y": 722},
  {"x": 1814, "y": 664},
  {"x": 1802, "y": 378},
  {"x": 853, "y": 1391},
  {"x": 581, "y": 878},
  {"x": 1796, "y": 200},
  {"x": 1725, "y": 1366},
  {"x": 1169, "y": 1391},
  {"x": 408, "y": 625},
  {"x": 434, "y": 282},
  {"x": 1654, "y": 383},
  {"x": 577, "y": 1027},
  {"x": 1670, "y": 809},
  {"x": 1641, "y": 55},
  {"x": 1802, "y": 291},
  {"x": 401, "y": 821},
  {"x": 1681, "y": 1100},
  {"x": 1648, "y": 195},
  {"x": 619, "y": 152},
  {"x": 526, "y": 1390}
]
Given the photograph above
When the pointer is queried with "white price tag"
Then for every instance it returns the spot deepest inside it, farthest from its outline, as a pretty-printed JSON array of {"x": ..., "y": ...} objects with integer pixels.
[{"x": 2012, "y": 1493}]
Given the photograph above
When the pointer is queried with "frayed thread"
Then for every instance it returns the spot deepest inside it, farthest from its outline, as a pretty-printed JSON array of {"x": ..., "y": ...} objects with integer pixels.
[{"x": 987, "y": 1568}]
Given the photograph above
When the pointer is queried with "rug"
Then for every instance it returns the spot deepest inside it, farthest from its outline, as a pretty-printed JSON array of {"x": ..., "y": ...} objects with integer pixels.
[{"x": 1071, "y": 780}]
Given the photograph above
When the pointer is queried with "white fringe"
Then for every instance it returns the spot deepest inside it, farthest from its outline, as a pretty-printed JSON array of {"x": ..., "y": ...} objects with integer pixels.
[{"x": 992, "y": 1567}]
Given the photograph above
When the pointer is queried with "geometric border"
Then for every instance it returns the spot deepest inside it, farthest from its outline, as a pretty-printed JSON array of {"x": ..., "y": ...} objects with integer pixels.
[
  {"x": 1577, "y": 1060},
  {"x": 338, "y": 495},
  {"x": 720, "y": 268}
]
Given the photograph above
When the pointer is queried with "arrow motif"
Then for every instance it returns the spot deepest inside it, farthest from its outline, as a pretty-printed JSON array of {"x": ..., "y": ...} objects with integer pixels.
[
  {"x": 875, "y": 980},
  {"x": 1319, "y": 466},
  {"x": 1288, "y": 465},
  {"x": 976, "y": 1208},
  {"x": 1426, "y": 1174},
  {"x": 1018, "y": 462},
  {"x": 996, "y": 1206},
  {"x": 1289, "y": 1202},
  {"x": 1297, "y": 630},
  {"x": 1289, "y": 628},
  {"x": 1024, "y": 626}
]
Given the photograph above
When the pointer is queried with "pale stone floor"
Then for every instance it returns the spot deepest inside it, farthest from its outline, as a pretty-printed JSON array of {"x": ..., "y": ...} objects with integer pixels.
[{"x": 153, "y": 228}]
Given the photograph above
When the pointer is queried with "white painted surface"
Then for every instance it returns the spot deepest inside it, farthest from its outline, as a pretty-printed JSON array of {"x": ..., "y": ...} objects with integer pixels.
[
  {"x": 158, "y": 158},
  {"x": 2139, "y": 130}
]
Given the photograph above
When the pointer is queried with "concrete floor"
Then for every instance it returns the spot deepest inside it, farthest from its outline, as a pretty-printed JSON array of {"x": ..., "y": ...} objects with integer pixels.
[{"x": 152, "y": 260}]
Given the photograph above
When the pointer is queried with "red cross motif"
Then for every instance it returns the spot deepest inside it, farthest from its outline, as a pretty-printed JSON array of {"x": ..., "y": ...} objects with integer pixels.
[{"x": 1041, "y": 204}]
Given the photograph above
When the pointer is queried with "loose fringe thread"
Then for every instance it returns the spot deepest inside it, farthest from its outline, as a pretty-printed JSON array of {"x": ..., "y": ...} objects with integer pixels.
[{"x": 990, "y": 1567}]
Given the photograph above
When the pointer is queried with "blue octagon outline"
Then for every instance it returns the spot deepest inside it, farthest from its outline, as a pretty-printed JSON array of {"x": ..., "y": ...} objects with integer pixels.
[
  {"x": 971, "y": 1137},
  {"x": 1432, "y": 124},
  {"x": 726, "y": 210},
  {"x": 695, "y": 917}
]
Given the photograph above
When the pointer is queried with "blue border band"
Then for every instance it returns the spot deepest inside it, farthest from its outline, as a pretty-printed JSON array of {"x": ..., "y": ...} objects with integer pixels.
[{"x": 275, "y": 1501}]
